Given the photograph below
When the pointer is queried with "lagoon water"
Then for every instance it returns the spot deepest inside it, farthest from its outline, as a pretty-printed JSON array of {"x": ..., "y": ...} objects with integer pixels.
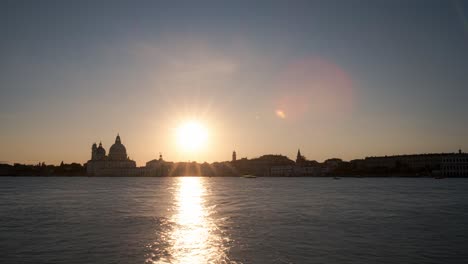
[{"x": 233, "y": 220}]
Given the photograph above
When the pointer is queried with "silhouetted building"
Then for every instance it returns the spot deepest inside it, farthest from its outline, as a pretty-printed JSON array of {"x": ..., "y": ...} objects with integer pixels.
[
  {"x": 261, "y": 166},
  {"x": 308, "y": 170},
  {"x": 414, "y": 162},
  {"x": 299, "y": 158},
  {"x": 447, "y": 164},
  {"x": 117, "y": 163},
  {"x": 303, "y": 167},
  {"x": 234, "y": 156},
  {"x": 455, "y": 165},
  {"x": 282, "y": 171},
  {"x": 157, "y": 167},
  {"x": 331, "y": 165}
]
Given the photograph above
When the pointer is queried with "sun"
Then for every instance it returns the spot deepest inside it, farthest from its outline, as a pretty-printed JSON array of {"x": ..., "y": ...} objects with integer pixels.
[{"x": 191, "y": 136}]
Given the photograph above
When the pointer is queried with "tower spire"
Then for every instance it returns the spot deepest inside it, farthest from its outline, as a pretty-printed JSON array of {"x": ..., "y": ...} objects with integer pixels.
[{"x": 299, "y": 158}]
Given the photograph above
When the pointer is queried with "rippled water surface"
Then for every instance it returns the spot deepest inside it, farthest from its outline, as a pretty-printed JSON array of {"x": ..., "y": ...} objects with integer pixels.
[{"x": 233, "y": 220}]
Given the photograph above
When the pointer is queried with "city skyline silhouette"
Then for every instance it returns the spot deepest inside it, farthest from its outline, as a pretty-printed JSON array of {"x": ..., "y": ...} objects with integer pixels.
[
  {"x": 335, "y": 79},
  {"x": 233, "y": 131}
]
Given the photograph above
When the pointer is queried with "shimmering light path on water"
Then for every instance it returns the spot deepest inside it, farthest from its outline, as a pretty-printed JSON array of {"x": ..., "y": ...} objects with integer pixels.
[
  {"x": 233, "y": 220},
  {"x": 194, "y": 236}
]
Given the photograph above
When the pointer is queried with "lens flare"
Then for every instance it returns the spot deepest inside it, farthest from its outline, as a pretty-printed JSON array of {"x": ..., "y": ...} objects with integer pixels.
[
  {"x": 280, "y": 114},
  {"x": 313, "y": 87}
]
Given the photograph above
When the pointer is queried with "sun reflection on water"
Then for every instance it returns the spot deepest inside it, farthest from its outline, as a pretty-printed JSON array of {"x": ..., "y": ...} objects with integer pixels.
[{"x": 193, "y": 236}]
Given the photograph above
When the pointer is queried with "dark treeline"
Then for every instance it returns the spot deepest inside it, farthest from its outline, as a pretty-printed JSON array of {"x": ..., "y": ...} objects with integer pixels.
[{"x": 42, "y": 169}]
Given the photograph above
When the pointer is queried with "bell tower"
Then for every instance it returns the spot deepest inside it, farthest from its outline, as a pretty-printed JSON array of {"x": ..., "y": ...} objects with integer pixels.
[{"x": 93, "y": 151}]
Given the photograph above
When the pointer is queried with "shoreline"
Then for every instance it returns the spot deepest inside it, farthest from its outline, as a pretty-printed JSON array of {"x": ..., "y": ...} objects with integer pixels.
[{"x": 177, "y": 176}]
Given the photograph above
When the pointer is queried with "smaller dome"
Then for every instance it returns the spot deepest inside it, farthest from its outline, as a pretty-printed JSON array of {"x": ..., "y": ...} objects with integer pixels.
[{"x": 100, "y": 152}]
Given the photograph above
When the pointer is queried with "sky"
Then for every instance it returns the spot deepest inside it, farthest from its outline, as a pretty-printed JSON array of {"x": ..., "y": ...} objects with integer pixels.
[{"x": 345, "y": 79}]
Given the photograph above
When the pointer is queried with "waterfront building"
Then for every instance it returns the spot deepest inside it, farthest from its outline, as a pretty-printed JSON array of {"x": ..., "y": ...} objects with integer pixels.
[
  {"x": 300, "y": 159},
  {"x": 307, "y": 171},
  {"x": 282, "y": 171},
  {"x": 415, "y": 161},
  {"x": 261, "y": 166},
  {"x": 455, "y": 165},
  {"x": 447, "y": 164},
  {"x": 330, "y": 165},
  {"x": 157, "y": 167},
  {"x": 295, "y": 171},
  {"x": 117, "y": 163},
  {"x": 304, "y": 167}
]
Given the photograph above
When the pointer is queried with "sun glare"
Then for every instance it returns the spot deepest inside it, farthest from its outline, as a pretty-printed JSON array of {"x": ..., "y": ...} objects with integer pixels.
[{"x": 191, "y": 136}]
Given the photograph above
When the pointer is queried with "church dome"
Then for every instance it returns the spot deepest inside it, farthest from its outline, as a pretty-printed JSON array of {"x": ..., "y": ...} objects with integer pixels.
[
  {"x": 117, "y": 151},
  {"x": 100, "y": 152}
]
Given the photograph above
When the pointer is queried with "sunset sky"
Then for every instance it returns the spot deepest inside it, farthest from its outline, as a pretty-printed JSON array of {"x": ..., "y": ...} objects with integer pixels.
[{"x": 344, "y": 79}]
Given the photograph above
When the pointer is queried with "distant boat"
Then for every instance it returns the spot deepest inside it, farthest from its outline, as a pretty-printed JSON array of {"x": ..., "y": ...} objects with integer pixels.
[
  {"x": 249, "y": 176},
  {"x": 336, "y": 178}
]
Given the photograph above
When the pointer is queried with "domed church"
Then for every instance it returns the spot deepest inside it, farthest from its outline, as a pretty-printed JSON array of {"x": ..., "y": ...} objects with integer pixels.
[
  {"x": 117, "y": 163},
  {"x": 118, "y": 150}
]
